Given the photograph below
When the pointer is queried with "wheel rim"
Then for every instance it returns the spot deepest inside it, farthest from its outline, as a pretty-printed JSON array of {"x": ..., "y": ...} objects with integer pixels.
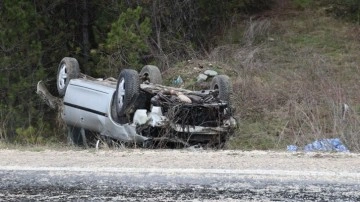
[
  {"x": 121, "y": 93},
  {"x": 62, "y": 76}
]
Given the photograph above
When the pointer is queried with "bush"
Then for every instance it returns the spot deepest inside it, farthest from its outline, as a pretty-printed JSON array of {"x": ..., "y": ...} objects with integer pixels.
[
  {"x": 303, "y": 3},
  {"x": 346, "y": 9},
  {"x": 126, "y": 42}
]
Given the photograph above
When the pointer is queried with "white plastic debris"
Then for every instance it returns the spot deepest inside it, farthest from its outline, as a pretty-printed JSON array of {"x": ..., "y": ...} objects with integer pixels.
[
  {"x": 140, "y": 117},
  {"x": 210, "y": 72},
  {"x": 156, "y": 110},
  {"x": 178, "y": 81},
  {"x": 202, "y": 77}
]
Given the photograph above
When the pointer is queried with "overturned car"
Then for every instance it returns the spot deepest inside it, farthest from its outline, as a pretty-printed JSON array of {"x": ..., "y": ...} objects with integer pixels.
[{"x": 137, "y": 108}]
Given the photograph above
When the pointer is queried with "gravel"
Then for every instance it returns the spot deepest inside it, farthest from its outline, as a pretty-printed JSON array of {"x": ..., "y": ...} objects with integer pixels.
[{"x": 168, "y": 175}]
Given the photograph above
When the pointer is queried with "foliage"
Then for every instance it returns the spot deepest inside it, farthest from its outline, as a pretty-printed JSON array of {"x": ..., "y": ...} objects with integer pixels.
[
  {"x": 303, "y": 3},
  {"x": 127, "y": 40},
  {"x": 27, "y": 135},
  {"x": 29, "y": 52},
  {"x": 21, "y": 49},
  {"x": 348, "y": 9}
]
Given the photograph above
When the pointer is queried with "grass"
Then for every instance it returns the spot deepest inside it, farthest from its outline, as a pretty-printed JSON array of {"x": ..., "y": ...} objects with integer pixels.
[
  {"x": 292, "y": 80},
  {"x": 58, "y": 146},
  {"x": 33, "y": 147}
]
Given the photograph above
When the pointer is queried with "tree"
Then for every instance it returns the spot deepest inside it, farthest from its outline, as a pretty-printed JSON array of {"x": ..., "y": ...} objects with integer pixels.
[
  {"x": 34, "y": 36},
  {"x": 20, "y": 66},
  {"x": 104, "y": 35},
  {"x": 126, "y": 41}
]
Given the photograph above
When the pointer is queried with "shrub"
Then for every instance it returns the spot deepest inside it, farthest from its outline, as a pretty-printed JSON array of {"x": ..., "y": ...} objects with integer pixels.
[
  {"x": 347, "y": 9},
  {"x": 126, "y": 42}
]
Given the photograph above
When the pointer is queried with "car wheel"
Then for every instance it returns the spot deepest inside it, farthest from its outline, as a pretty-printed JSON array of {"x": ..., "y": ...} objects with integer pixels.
[
  {"x": 127, "y": 90},
  {"x": 76, "y": 136},
  {"x": 68, "y": 69},
  {"x": 151, "y": 74},
  {"x": 223, "y": 84}
]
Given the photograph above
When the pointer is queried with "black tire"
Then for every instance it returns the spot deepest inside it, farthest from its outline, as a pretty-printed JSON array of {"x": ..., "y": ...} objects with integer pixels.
[
  {"x": 151, "y": 74},
  {"x": 223, "y": 84},
  {"x": 68, "y": 69},
  {"x": 127, "y": 90},
  {"x": 76, "y": 136}
]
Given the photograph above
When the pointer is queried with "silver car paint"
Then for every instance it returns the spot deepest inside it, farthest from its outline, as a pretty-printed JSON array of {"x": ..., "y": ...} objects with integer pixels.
[{"x": 87, "y": 104}]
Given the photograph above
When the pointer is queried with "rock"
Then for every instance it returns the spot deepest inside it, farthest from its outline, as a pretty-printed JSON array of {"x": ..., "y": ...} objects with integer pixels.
[
  {"x": 197, "y": 69},
  {"x": 202, "y": 77},
  {"x": 210, "y": 72}
]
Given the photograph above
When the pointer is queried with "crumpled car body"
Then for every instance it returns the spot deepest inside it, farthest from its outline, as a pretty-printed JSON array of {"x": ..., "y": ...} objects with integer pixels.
[{"x": 150, "y": 112}]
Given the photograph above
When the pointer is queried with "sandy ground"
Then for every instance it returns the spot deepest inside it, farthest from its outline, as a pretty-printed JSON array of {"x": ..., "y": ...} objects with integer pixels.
[{"x": 184, "y": 159}]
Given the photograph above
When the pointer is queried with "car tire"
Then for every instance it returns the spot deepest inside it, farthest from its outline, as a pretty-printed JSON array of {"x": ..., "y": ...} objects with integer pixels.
[
  {"x": 223, "y": 84},
  {"x": 76, "y": 136},
  {"x": 68, "y": 69},
  {"x": 127, "y": 90},
  {"x": 151, "y": 74}
]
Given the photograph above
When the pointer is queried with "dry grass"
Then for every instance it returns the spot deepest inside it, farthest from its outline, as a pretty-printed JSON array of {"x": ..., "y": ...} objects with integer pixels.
[
  {"x": 4, "y": 117},
  {"x": 294, "y": 74}
]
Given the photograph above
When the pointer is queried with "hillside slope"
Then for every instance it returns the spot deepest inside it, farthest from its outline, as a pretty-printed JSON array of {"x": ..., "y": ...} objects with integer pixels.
[{"x": 293, "y": 72}]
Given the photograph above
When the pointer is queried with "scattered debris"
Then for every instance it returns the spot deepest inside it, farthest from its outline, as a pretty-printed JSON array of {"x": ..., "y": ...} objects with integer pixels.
[
  {"x": 178, "y": 81},
  {"x": 204, "y": 76},
  {"x": 345, "y": 110},
  {"x": 201, "y": 78},
  {"x": 326, "y": 145},
  {"x": 210, "y": 72}
]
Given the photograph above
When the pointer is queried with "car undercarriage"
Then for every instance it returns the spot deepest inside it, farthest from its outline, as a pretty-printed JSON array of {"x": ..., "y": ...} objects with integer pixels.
[{"x": 137, "y": 108}]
